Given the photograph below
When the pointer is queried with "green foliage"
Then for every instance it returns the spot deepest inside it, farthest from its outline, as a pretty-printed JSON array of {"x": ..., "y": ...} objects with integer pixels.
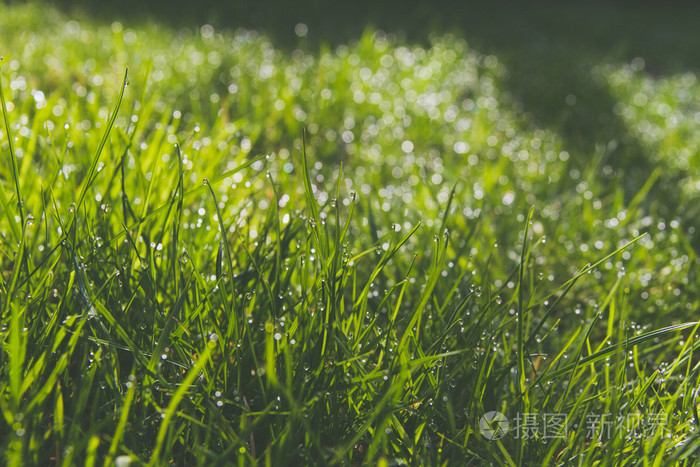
[{"x": 234, "y": 254}]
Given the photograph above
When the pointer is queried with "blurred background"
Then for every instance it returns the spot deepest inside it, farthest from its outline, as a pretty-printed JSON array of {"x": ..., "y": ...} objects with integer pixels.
[
  {"x": 552, "y": 60},
  {"x": 661, "y": 30},
  {"x": 542, "y": 44}
]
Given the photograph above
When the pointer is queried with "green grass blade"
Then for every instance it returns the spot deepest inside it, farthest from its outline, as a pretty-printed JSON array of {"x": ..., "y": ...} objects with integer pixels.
[
  {"x": 93, "y": 165},
  {"x": 13, "y": 159}
]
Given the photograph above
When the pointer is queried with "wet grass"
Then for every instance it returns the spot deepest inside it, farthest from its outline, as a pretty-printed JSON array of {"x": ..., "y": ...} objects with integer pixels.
[{"x": 237, "y": 254}]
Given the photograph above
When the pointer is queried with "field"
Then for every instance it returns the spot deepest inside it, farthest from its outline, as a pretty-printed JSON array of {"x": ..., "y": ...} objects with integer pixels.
[{"x": 309, "y": 246}]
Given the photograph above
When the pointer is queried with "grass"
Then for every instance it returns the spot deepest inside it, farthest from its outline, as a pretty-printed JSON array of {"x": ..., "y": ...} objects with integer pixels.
[{"x": 234, "y": 254}]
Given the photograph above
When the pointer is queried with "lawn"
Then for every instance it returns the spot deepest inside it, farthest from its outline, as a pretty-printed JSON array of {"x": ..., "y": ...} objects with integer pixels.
[{"x": 307, "y": 245}]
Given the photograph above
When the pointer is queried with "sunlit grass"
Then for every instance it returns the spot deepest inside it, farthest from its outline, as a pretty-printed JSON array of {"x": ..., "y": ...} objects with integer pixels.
[{"x": 235, "y": 254}]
